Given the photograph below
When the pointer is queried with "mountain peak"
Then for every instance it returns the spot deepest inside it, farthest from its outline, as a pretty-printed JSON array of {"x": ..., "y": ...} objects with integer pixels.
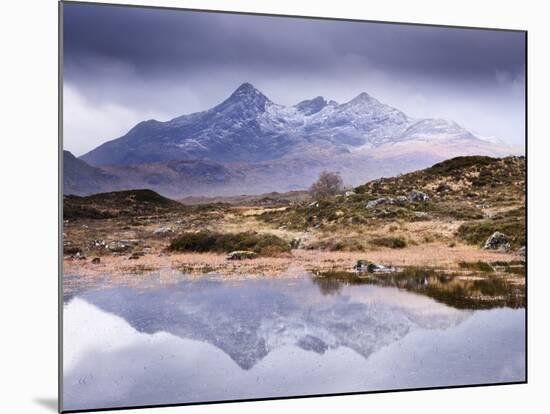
[
  {"x": 247, "y": 89},
  {"x": 248, "y": 127},
  {"x": 363, "y": 97},
  {"x": 247, "y": 96}
]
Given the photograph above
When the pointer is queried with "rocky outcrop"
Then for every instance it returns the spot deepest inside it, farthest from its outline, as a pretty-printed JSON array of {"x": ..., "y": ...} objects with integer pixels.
[
  {"x": 118, "y": 246},
  {"x": 497, "y": 241},
  {"x": 413, "y": 196},
  {"x": 369, "y": 267},
  {"x": 241, "y": 255},
  {"x": 418, "y": 196},
  {"x": 163, "y": 232},
  {"x": 379, "y": 201}
]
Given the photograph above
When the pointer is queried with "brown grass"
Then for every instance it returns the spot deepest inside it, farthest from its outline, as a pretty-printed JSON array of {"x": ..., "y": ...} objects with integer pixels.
[{"x": 432, "y": 255}]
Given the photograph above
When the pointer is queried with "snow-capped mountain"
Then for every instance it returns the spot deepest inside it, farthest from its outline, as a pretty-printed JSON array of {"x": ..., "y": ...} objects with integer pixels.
[
  {"x": 249, "y": 127},
  {"x": 249, "y": 144}
]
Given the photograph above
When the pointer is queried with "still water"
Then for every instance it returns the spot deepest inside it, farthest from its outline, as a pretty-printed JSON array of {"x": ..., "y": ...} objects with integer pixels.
[{"x": 205, "y": 339}]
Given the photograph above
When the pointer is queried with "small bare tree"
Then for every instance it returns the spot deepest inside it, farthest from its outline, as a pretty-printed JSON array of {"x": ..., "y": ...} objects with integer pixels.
[{"x": 328, "y": 184}]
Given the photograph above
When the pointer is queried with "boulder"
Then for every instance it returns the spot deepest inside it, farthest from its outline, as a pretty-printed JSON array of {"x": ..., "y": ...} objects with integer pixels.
[
  {"x": 521, "y": 252},
  {"x": 96, "y": 244},
  {"x": 369, "y": 267},
  {"x": 379, "y": 201},
  {"x": 118, "y": 247},
  {"x": 163, "y": 232},
  {"x": 241, "y": 255},
  {"x": 418, "y": 196},
  {"x": 349, "y": 193},
  {"x": 497, "y": 240}
]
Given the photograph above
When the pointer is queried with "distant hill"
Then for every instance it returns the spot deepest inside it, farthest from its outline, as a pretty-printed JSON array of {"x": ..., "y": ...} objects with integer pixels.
[
  {"x": 124, "y": 203},
  {"x": 81, "y": 178},
  {"x": 265, "y": 199}
]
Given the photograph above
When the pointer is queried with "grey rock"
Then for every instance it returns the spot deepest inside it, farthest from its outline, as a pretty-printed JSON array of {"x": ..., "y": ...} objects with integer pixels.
[
  {"x": 163, "y": 232},
  {"x": 418, "y": 196},
  {"x": 118, "y": 247},
  {"x": 97, "y": 244},
  {"x": 380, "y": 201},
  {"x": 369, "y": 267},
  {"x": 498, "y": 241},
  {"x": 241, "y": 255}
]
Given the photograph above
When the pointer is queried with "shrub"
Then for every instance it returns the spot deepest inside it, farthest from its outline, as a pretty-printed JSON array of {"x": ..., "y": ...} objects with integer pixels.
[
  {"x": 478, "y": 232},
  {"x": 263, "y": 244},
  {"x": 71, "y": 250},
  {"x": 393, "y": 242}
]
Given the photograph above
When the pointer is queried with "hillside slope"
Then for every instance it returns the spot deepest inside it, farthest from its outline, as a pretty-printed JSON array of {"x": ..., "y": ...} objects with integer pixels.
[
  {"x": 80, "y": 178},
  {"x": 481, "y": 194}
]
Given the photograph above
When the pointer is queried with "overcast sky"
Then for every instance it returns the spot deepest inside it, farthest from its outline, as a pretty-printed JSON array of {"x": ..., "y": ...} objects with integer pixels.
[{"x": 124, "y": 65}]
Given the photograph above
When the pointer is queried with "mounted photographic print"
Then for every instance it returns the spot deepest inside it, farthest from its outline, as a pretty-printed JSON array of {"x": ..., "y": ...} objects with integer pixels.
[{"x": 259, "y": 206}]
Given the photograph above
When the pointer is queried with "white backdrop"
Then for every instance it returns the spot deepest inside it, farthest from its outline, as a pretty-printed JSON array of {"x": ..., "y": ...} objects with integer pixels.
[{"x": 28, "y": 236}]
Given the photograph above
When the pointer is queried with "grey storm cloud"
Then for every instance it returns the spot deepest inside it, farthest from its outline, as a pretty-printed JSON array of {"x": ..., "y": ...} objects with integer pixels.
[
  {"x": 167, "y": 63},
  {"x": 153, "y": 40}
]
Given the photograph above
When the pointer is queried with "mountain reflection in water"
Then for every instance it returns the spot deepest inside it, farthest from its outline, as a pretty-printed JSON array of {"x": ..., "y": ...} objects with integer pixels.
[{"x": 208, "y": 339}]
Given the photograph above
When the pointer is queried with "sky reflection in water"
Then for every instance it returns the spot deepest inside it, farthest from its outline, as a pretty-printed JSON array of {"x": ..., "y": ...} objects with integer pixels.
[{"x": 206, "y": 339}]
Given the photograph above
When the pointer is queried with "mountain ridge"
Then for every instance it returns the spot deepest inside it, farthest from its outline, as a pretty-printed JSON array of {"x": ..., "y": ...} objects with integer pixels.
[
  {"x": 250, "y": 144},
  {"x": 249, "y": 127}
]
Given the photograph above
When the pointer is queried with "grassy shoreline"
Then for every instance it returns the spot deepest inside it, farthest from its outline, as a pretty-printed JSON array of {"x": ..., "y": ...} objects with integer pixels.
[
  {"x": 436, "y": 219},
  {"x": 441, "y": 257}
]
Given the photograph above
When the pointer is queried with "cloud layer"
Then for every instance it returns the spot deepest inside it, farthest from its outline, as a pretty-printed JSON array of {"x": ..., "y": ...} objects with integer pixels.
[{"x": 122, "y": 65}]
